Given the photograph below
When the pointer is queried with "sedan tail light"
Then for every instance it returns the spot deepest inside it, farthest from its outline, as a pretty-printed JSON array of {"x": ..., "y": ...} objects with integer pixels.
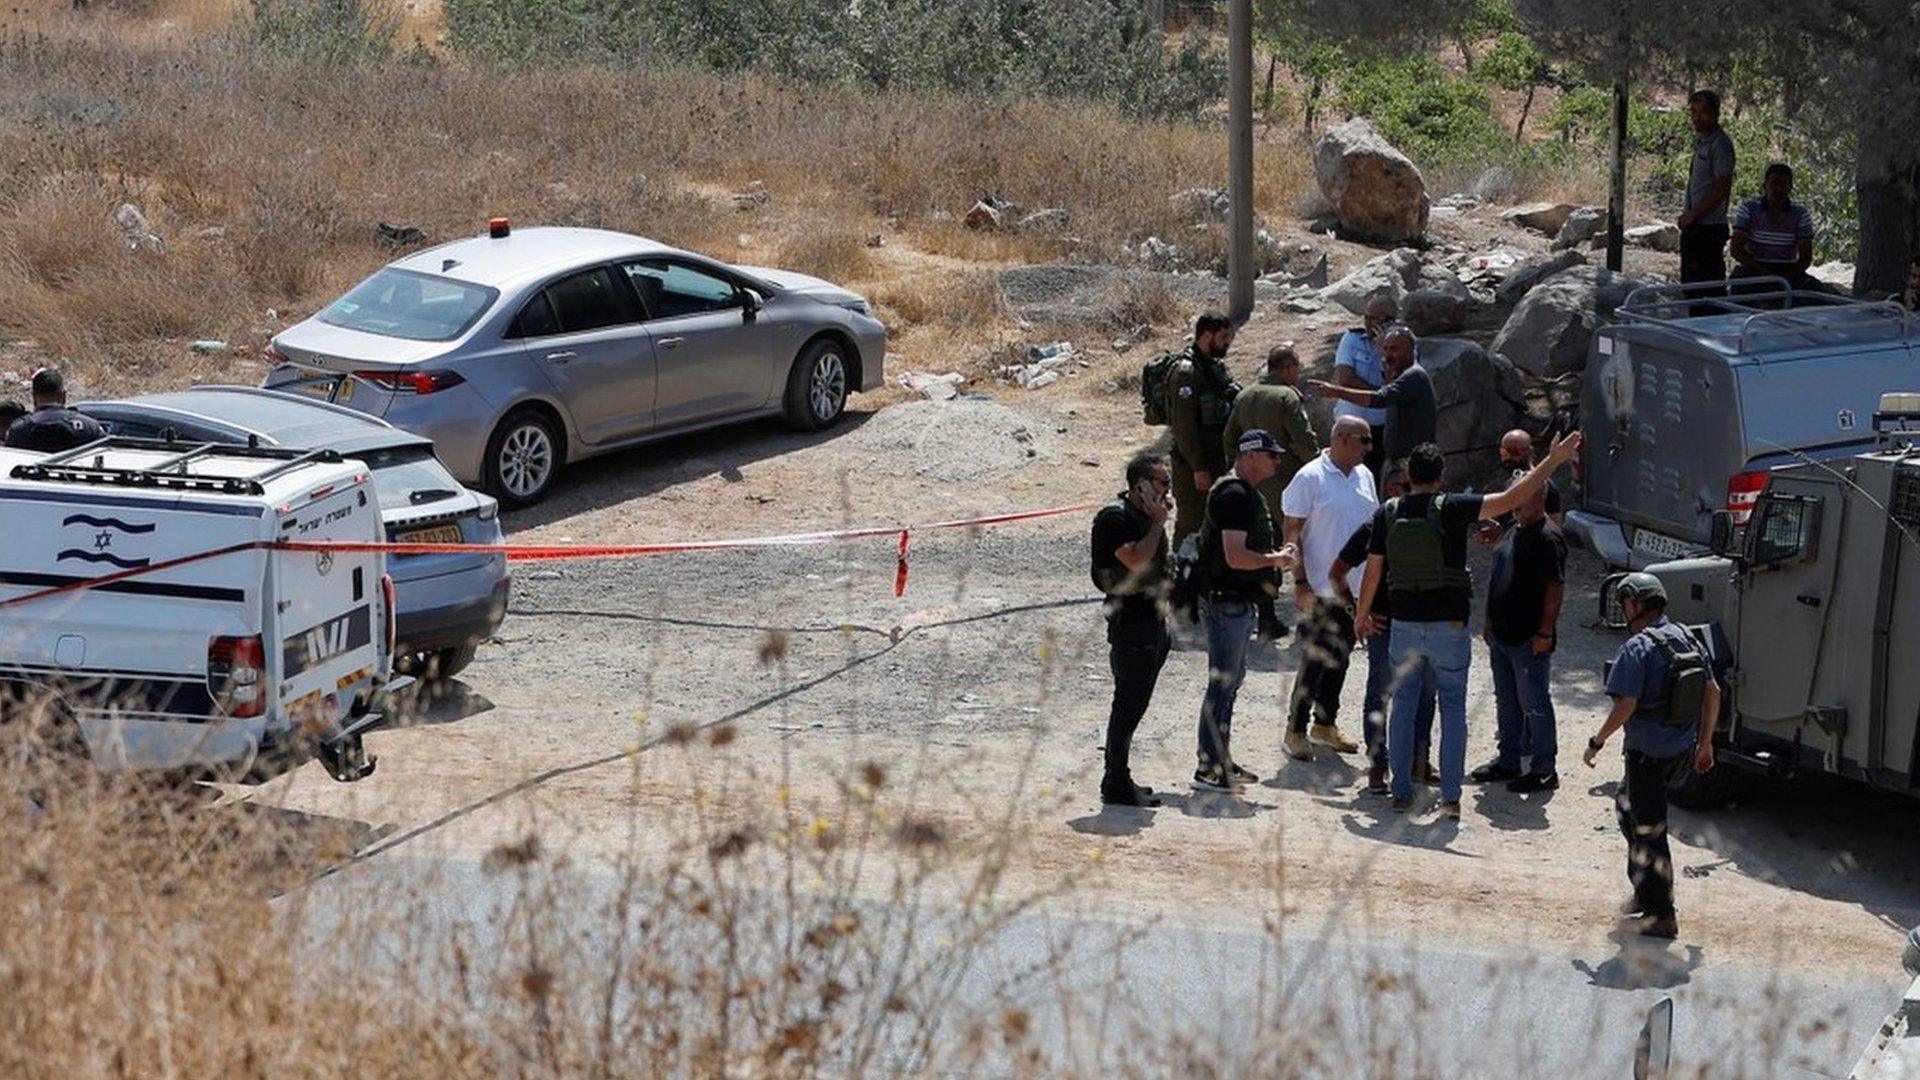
[
  {"x": 412, "y": 382},
  {"x": 237, "y": 674}
]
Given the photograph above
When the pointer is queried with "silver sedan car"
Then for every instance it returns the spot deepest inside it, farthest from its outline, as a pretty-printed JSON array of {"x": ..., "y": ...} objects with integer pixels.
[{"x": 521, "y": 350}]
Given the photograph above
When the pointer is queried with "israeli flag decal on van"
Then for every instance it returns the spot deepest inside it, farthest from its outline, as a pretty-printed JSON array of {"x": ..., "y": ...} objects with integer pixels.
[{"x": 108, "y": 540}]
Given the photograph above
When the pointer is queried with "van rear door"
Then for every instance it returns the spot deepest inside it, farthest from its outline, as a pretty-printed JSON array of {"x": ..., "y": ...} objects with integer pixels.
[
  {"x": 332, "y": 632},
  {"x": 1662, "y": 419}
]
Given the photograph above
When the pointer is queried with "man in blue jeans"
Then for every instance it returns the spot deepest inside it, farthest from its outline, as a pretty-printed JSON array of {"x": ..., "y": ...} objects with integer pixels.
[
  {"x": 1238, "y": 570},
  {"x": 1418, "y": 553},
  {"x": 1523, "y": 615}
]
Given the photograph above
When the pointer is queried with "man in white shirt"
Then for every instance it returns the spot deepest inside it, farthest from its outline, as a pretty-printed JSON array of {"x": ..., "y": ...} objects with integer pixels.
[{"x": 1329, "y": 498}]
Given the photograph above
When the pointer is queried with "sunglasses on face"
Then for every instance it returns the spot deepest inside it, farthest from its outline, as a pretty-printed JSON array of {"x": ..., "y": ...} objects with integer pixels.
[{"x": 1364, "y": 440}]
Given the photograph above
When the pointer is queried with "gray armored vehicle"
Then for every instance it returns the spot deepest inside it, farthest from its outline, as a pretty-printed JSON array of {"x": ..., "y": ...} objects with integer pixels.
[{"x": 1814, "y": 608}]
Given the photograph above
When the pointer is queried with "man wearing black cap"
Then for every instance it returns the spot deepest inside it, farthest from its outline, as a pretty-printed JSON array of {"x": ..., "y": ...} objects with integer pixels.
[
  {"x": 1238, "y": 571},
  {"x": 52, "y": 427}
]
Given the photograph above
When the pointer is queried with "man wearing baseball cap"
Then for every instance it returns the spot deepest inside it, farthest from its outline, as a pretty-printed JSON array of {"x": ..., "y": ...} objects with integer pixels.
[
  {"x": 1666, "y": 695},
  {"x": 1238, "y": 570}
]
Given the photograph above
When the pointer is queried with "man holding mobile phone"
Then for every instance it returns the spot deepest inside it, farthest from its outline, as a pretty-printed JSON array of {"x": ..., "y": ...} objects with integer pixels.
[{"x": 1130, "y": 567}]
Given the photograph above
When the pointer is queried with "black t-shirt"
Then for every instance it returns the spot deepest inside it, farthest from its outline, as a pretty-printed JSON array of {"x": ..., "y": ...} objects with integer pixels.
[
  {"x": 1233, "y": 505},
  {"x": 1413, "y": 412},
  {"x": 1134, "y": 598},
  {"x": 1527, "y": 560},
  {"x": 1458, "y": 514},
  {"x": 1354, "y": 553},
  {"x": 54, "y": 429}
]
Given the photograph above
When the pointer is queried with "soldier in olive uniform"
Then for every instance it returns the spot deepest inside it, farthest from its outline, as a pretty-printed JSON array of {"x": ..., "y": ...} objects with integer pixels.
[
  {"x": 1275, "y": 406},
  {"x": 1200, "y": 393}
]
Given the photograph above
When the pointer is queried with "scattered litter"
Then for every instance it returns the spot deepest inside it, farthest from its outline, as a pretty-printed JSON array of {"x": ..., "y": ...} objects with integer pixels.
[
  {"x": 207, "y": 346},
  {"x": 1052, "y": 217},
  {"x": 875, "y": 240},
  {"x": 1042, "y": 364},
  {"x": 933, "y": 387},
  {"x": 989, "y": 213},
  {"x": 1489, "y": 262},
  {"x": 399, "y": 235},
  {"x": 813, "y": 726},
  {"x": 1121, "y": 345},
  {"x": 544, "y": 575},
  {"x": 135, "y": 227},
  {"x": 213, "y": 232},
  {"x": 1090, "y": 461},
  {"x": 752, "y": 196}
]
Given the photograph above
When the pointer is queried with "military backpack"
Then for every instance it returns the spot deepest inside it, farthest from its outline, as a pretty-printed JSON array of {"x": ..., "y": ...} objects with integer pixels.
[
  {"x": 1685, "y": 700},
  {"x": 1154, "y": 376}
]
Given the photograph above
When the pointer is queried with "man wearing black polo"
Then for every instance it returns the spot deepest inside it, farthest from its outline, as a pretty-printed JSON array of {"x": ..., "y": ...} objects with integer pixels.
[{"x": 1130, "y": 567}]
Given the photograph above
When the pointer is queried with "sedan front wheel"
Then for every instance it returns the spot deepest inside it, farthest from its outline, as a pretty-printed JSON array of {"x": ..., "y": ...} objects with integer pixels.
[{"x": 817, "y": 386}]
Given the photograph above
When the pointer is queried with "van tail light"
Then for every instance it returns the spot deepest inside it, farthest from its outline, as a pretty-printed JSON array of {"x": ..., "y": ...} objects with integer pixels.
[
  {"x": 391, "y": 620},
  {"x": 237, "y": 675},
  {"x": 412, "y": 382},
  {"x": 1742, "y": 492}
]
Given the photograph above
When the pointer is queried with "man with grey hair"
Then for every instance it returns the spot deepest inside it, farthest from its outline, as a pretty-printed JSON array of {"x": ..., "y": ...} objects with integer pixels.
[
  {"x": 1357, "y": 365},
  {"x": 1413, "y": 412}
]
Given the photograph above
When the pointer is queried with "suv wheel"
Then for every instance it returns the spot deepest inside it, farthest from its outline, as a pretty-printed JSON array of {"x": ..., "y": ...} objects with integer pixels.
[
  {"x": 523, "y": 458},
  {"x": 817, "y": 386}
]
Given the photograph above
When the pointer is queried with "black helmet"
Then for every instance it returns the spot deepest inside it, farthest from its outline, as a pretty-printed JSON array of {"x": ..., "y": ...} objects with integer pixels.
[{"x": 1640, "y": 586}]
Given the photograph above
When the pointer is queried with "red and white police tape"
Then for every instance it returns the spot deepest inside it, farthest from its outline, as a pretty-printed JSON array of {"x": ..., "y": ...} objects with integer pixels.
[{"x": 548, "y": 552}]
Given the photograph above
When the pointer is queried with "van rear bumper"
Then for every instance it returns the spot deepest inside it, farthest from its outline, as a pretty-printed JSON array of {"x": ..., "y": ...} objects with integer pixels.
[{"x": 1603, "y": 536}]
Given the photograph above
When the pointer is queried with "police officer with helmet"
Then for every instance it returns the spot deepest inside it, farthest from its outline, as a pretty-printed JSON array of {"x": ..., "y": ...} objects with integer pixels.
[{"x": 1666, "y": 697}]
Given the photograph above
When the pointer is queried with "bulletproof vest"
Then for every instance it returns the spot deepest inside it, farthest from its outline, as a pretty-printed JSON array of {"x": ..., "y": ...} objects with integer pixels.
[
  {"x": 1417, "y": 553},
  {"x": 1684, "y": 701},
  {"x": 1211, "y": 566},
  {"x": 1213, "y": 389}
]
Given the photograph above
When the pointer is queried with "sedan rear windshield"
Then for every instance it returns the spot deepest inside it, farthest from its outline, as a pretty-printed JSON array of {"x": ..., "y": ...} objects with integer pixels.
[
  {"x": 405, "y": 477},
  {"x": 405, "y": 304}
]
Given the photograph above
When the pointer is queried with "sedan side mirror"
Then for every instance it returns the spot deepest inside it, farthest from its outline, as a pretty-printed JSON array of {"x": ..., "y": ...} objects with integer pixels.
[
  {"x": 1720, "y": 532},
  {"x": 751, "y": 303}
]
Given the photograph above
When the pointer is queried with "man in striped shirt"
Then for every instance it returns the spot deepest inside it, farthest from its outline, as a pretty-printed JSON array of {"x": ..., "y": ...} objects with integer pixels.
[{"x": 1773, "y": 235}]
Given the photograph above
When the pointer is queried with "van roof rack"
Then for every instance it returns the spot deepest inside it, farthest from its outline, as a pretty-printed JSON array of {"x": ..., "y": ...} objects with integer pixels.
[
  {"x": 1747, "y": 315},
  {"x": 74, "y": 466}
]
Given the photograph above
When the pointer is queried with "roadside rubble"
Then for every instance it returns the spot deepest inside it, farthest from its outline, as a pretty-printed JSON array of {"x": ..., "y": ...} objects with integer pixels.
[
  {"x": 137, "y": 230},
  {"x": 1045, "y": 365},
  {"x": 932, "y": 387}
]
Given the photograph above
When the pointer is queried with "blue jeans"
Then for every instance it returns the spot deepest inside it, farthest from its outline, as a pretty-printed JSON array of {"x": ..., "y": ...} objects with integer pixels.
[
  {"x": 1379, "y": 697},
  {"x": 1230, "y": 625},
  {"x": 1523, "y": 706},
  {"x": 1444, "y": 650}
]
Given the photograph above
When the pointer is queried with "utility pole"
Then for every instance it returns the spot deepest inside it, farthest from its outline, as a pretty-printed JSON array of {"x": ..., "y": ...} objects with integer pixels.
[
  {"x": 1239, "y": 160},
  {"x": 1617, "y": 175}
]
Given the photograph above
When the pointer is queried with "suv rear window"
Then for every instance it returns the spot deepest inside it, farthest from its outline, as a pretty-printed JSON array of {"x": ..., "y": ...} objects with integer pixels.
[
  {"x": 409, "y": 476},
  {"x": 405, "y": 304}
]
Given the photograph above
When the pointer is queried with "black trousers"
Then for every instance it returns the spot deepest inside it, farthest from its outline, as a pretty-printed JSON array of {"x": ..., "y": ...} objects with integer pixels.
[
  {"x": 1641, "y": 806},
  {"x": 1376, "y": 458},
  {"x": 1136, "y": 660},
  {"x": 1703, "y": 253},
  {"x": 1327, "y": 646}
]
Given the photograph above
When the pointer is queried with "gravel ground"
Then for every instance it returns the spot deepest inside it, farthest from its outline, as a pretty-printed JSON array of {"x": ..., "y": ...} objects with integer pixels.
[{"x": 983, "y": 692}]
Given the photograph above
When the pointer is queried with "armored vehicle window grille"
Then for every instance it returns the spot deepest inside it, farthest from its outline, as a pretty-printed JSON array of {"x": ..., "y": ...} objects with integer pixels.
[{"x": 1905, "y": 506}]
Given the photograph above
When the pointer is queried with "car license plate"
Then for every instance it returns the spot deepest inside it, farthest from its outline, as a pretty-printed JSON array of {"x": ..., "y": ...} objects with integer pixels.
[
  {"x": 438, "y": 534},
  {"x": 1648, "y": 542}
]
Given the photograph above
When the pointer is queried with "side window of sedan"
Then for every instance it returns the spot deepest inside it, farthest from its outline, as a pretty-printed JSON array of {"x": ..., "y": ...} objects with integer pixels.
[
  {"x": 669, "y": 290},
  {"x": 536, "y": 319},
  {"x": 590, "y": 300}
]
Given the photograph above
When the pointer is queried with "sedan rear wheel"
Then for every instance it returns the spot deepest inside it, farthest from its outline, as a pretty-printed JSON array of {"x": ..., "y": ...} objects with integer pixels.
[
  {"x": 523, "y": 458},
  {"x": 817, "y": 386}
]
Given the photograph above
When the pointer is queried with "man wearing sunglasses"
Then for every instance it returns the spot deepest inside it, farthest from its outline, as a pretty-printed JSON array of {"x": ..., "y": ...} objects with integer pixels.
[{"x": 1130, "y": 567}]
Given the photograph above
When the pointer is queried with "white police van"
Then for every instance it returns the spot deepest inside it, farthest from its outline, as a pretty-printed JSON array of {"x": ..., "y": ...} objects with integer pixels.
[{"x": 237, "y": 665}]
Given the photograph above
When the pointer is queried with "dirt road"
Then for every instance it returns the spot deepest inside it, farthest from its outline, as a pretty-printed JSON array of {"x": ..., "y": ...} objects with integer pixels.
[{"x": 982, "y": 695}]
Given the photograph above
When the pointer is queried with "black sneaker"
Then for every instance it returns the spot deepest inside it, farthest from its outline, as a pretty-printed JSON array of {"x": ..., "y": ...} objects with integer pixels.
[
  {"x": 1659, "y": 926},
  {"x": 1534, "y": 782},
  {"x": 1401, "y": 805},
  {"x": 1213, "y": 780},
  {"x": 1130, "y": 795},
  {"x": 1493, "y": 772}
]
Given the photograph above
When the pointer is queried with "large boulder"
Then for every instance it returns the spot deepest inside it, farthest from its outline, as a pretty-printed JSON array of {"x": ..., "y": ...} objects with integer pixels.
[
  {"x": 1531, "y": 271},
  {"x": 1480, "y": 397},
  {"x": 1437, "y": 303},
  {"x": 1541, "y": 217},
  {"x": 1581, "y": 226},
  {"x": 1391, "y": 275},
  {"x": 1549, "y": 333},
  {"x": 1377, "y": 193},
  {"x": 1664, "y": 236}
]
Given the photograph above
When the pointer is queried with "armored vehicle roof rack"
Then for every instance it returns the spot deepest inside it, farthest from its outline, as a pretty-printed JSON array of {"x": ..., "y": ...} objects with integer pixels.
[
  {"x": 1752, "y": 317},
  {"x": 88, "y": 465}
]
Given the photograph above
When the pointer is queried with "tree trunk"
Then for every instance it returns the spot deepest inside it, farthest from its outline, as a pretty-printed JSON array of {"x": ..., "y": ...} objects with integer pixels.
[
  {"x": 1266, "y": 98},
  {"x": 1889, "y": 193},
  {"x": 1466, "y": 53},
  {"x": 1311, "y": 107},
  {"x": 1526, "y": 106}
]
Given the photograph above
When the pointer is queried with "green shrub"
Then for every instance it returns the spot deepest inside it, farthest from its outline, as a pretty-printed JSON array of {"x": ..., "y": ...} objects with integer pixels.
[
  {"x": 1419, "y": 108},
  {"x": 324, "y": 31}
]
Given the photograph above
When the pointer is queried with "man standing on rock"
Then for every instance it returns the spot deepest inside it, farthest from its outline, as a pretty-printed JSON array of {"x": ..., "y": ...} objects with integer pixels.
[
  {"x": 1413, "y": 411},
  {"x": 1130, "y": 567},
  {"x": 1703, "y": 223},
  {"x": 1357, "y": 365},
  {"x": 1238, "y": 570},
  {"x": 1327, "y": 501},
  {"x": 1200, "y": 395},
  {"x": 1418, "y": 551}
]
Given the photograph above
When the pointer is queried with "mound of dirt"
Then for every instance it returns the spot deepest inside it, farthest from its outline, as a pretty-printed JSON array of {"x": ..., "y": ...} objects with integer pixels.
[{"x": 958, "y": 440}]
